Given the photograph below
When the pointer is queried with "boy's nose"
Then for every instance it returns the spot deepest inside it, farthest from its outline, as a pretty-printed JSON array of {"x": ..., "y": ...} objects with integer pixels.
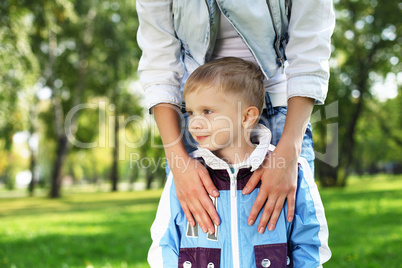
[{"x": 197, "y": 122}]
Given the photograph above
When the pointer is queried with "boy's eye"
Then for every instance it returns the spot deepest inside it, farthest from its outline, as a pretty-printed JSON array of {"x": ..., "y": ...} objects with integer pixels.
[
  {"x": 207, "y": 112},
  {"x": 190, "y": 112}
]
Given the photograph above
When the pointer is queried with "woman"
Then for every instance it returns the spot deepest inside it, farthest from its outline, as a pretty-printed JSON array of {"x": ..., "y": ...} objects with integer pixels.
[{"x": 290, "y": 42}]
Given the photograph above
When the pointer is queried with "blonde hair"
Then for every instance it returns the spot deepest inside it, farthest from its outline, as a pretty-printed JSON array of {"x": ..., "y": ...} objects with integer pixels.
[{"x": 231, "y": 75}]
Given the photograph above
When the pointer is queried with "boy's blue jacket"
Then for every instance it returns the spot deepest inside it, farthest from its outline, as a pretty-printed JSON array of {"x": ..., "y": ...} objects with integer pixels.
[{"x": 301, "y": 243}]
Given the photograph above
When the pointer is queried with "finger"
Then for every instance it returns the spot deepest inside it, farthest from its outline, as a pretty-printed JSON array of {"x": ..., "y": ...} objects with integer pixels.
[
  {"x": 256, "y": 208},
  {"x": 266, "y": 214},
  {"x": 291, "y": 204},
  {"x": 211, "y": 210},
  {"x": 207, "y": 202},
  {"x": 208, "y": 184},
  {"x": 252, "y": 182},
  {"x": 196, "y": 214},
  {"x": 206, "y": 209},
  {"x": 193, "y": 208},
  {"x": 276, "y": 212},
  {"x": 188, "y": 214},
  {"x": 203, "y": 218},
  {"x": 201, "y": 207}
]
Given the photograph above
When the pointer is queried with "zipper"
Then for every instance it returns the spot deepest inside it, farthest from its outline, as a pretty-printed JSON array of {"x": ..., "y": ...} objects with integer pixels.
[
  {"x": 234, "y": 221},
  {"x": 209, "y": 39},
  {"x": 277, "y": 39}
]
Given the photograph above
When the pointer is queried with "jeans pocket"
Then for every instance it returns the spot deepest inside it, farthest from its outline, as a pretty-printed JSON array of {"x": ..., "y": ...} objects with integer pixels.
[
  {"x": 199, "y": 257},
  {"x": 272, "y": 256}
]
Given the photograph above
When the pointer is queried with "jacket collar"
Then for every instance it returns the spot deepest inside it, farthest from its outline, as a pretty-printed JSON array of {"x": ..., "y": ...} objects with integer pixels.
[{"x": 260, "y": 135}]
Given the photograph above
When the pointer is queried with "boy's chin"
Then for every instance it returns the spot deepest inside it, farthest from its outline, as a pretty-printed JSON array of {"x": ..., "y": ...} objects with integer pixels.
[
  {"x": 210, "y": 147},
  {"x": 205, "y": 146}
]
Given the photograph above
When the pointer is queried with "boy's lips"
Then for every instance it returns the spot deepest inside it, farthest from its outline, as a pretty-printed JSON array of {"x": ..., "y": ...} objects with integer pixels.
[{"x": 200, "y": 138}]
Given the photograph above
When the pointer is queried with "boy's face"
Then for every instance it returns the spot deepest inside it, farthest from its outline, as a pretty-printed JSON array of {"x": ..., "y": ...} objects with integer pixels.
[{"x": 215, "y": 120}]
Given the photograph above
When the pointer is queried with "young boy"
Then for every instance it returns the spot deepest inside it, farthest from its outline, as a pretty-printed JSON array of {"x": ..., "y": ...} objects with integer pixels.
[{"x": 224, "y": 99}]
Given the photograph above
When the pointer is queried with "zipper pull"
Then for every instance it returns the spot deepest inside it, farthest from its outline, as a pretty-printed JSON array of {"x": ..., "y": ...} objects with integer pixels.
[
  {"x": 282, "y": 65},
  {"x": 234, "y": 187}
]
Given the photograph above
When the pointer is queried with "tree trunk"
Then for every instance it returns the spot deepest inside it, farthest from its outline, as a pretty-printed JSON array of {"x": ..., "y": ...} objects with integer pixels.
[
  {"x": 32, "y": 165},
  {"x": 62, "y": 149},
  {"x": 150, "y": 178},
  {"x": 32, "y": 148},
  {"x": 63, "y": 146},
  {"x": 327, "y": 175},
  {"x": 114, "y": 176},
  {"x": 133, "y": 178},
  {"x": 349, "y": 144}
]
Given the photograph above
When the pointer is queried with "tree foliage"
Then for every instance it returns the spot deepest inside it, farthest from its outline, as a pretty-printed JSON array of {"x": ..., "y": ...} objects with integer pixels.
[
  {"x": 81, "y": 51},
  {"x": 366, "y": 46},
  {"x": 66, "y": 67}
]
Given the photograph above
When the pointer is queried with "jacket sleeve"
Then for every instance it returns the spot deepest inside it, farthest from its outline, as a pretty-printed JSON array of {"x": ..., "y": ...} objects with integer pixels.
[
  {"x": 308, "y": 241},
  {"x": 160, "y": 66},
  {"x": 164, "y": 251},
  {"x": 308, "y": 50}
]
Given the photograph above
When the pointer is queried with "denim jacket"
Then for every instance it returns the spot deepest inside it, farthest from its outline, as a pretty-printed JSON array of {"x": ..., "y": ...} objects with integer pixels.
[{"x": 177, "y": 36}]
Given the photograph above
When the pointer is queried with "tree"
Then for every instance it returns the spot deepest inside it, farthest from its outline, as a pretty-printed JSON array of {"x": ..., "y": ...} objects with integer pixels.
[
  {"x": 56, "y": 40},
  {"x": 78, "y": 50},
  {"x": 364, "y": 48},
  {"x": 115, "y": 29},
  {"x": 379, "y": 140},
  {"x": 19, "y": 70},
  {"x": 84, "y": 51}
]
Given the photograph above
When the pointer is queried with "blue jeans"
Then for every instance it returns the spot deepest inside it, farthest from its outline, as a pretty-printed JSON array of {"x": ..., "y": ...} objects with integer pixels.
[
  {"x": 274, "y": 119},
  {"x": 276, "y": 122}
]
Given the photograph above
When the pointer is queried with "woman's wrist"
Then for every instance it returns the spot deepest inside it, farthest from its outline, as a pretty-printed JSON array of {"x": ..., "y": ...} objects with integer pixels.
[
  {"x": 291, "y": 143},
  {"x": 289, "y": 152},
  {"x": 177, "y": 161},
  {"x": 167, "y": 117},
  {"x": 297, "y": 118}
]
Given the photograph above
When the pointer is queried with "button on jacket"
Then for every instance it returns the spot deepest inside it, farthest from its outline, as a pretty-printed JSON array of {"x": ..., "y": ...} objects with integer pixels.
[
  {"x": 177, "y": 36},
  {"x": 301, "y": 243}
]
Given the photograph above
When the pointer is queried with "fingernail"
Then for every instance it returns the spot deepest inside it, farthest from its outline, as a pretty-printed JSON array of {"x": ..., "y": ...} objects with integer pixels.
[
  {"x": 204, "y": 229},
  {"x": 261, "y": 230},
  {"x": 216, "y": 223},
  {"x": 250, "y": 222},
  {"x": 245, "y": 189},
  {"x": 215, "y": 193},
  {"x": 271, "y": 227},
  {"x": 210, "y": 231},
  {"x": 290, "y": 219}
]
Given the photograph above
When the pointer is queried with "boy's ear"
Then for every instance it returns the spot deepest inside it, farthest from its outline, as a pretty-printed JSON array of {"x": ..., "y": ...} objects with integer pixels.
[{"x": 250, "y": 117}]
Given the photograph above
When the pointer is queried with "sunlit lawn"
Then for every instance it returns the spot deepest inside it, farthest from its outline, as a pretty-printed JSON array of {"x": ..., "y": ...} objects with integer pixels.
[
  {"x": 365, "y": 222},
  {"x": 112, "y": 229},
  {"x": 81, "y": 230}
]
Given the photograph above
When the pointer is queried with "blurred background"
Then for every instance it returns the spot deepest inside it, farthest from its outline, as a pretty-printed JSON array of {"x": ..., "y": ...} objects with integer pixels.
[{"x": 81, "y": 162}]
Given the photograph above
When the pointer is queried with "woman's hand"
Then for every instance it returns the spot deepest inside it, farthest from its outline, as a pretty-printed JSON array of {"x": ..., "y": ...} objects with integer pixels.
[
  {"x": 278, "y": 182},
  {"x": 191, "y": 179},
  {"x": 192, "y": 183},
  {"x": 278, "y": 175}
]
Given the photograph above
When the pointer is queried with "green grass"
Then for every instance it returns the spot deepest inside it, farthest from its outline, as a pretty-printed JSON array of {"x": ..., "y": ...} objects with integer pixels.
[
  {"x": 80, "y": 230},
  {"x": 365, "y": 222},
  {"x": 112, "y": 229}
]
